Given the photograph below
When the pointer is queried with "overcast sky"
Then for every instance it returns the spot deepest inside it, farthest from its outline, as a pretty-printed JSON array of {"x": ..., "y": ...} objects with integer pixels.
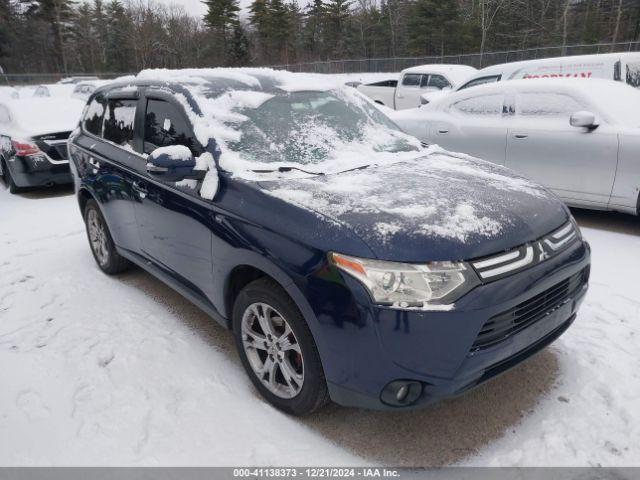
[{"x": 197, "y": 8}]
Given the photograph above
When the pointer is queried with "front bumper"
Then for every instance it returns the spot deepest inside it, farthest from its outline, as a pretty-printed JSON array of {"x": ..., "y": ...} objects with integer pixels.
[
  {"x": 37, "y": 171},
  {"x": 372, "y": 346}
]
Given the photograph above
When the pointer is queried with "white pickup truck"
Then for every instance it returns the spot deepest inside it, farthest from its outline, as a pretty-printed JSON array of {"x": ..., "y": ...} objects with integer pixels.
[{"x": 405, "y": 91}]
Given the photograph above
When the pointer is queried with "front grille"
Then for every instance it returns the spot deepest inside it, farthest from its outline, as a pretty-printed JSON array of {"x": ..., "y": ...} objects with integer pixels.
[
  {"x": 495, "y": 267},
  {"x": 504, "y": 325}
]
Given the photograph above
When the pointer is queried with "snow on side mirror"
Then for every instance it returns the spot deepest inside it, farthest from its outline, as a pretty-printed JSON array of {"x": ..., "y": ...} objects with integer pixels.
[
  {"x": 583, "y": 119},
  {"x": 171, "y": 164}
]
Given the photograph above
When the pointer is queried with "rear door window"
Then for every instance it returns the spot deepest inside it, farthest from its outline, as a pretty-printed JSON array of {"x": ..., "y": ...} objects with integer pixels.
[
  {"x": 119, "y": 120},
  {"x": 438, "y": 81},
  {"x": 547, "y": 105},
  {"x": 94, "y": 115},
  {"x": 164, "y": 125},
  {"x": 411, "y": 80}
]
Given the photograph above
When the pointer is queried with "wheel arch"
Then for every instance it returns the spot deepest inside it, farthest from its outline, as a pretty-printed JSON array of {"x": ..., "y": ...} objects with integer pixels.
[
  {"x": 84, "y": 195},
  {"x": 256, "y": 266}
]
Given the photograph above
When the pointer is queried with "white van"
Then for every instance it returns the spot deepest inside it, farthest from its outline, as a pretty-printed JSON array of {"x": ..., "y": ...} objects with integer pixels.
[
  {"x": 623, "y": 67},
  {"x": 415, "y": 81}
]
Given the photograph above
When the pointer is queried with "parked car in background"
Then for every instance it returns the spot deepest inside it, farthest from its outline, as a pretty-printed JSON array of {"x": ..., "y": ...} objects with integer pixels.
[
  {"x": 33, "y": 141},
  {"x": 350, "y": 262},
  {"x": 83, "y": 90},
  {"x": 54, "y": 90},
  {"x": 406, "y": 91},
  {"x": 8, "y": 93},
  {"x": 382, "y": 92},
  {"x": 580, "y": 139},
  {"x": 622, "y": 67},
  {"x": 77, "y": 79}
]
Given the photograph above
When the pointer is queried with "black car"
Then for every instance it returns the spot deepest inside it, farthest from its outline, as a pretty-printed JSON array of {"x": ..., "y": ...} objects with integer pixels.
[
  {"x": 350, "y": 262},
  {"x": 33, "y": 141}
]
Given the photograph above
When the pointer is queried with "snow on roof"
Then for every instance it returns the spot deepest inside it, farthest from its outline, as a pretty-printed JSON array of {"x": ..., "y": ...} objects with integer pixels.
[
  {"x": 617, "y": 102},
  {"x": 245, "y": 88},
  {"x": 455, "y": 73},
  {"x": 568, "y": 60},
  {"x": 35, "y": 116}
]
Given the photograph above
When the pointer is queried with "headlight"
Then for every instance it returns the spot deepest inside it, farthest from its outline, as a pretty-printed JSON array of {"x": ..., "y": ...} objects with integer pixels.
[{"x": 406, "y": 285}]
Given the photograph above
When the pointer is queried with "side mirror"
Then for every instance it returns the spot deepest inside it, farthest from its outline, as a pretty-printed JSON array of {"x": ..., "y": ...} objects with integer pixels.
[
  {"x": 583, "y": 119},
  {"x": 171, "y": 164}
]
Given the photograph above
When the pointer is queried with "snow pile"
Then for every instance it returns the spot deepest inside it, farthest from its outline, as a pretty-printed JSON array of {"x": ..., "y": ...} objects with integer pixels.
[{"x": 120, "y": 371}]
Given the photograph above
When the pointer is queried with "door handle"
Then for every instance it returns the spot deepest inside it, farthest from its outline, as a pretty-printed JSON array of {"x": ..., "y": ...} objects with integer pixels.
[
  {"x": 95, "y": 164},
  {"x": 520, "y": 135},
  {"x": 443, "y": 130},
  {"x": 141, "y": 188}
]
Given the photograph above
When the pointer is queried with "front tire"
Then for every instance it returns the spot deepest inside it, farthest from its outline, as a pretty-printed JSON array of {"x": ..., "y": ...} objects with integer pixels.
[
  {"x": 101, "y": 243},
  {"x": 277, "y": 349}
]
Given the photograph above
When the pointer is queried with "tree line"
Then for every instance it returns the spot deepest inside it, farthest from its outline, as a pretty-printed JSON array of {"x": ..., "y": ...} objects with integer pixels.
[{"x": 126, "y": 36}]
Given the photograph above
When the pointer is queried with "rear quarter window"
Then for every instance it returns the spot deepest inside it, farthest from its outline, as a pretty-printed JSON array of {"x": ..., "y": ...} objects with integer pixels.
[
  {"x": 484, "y": 105},
  {"x": 633, "y": 74},
  {"x": 92, "y": 122},
  {"x": 4, "y": 114}
]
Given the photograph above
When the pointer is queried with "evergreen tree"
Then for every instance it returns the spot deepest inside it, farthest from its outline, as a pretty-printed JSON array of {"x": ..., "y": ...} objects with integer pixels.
[
  {"x": 433, "y": 26},
  {"x": 259, "y": 20},
  {"x": 238, "y": 54},
  {"x": 56, "y": 15},
  {"x": 313, "y": 29},
  {"x": 337, "y": 24},
  {"x": 221, "y": 18}
]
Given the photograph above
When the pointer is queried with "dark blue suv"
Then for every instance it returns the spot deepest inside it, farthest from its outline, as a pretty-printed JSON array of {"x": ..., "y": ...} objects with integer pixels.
[{"x": 351, "y": 262}]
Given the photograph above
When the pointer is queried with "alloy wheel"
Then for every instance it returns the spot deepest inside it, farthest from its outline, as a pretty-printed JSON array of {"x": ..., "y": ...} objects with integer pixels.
[
  {"x": 272, "y": 350},
  {"x": 98, "y": 237}
]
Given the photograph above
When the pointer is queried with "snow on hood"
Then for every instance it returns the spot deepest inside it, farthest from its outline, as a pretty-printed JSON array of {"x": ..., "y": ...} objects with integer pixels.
[{"x": 465, "y": 207}]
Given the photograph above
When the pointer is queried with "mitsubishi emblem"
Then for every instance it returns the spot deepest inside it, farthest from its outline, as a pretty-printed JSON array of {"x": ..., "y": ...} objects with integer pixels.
[{"x": 542, "y": 253}]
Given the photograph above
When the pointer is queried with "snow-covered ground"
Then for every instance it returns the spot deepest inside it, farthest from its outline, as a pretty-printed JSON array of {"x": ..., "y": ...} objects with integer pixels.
[{"x": 98, "y": 370}]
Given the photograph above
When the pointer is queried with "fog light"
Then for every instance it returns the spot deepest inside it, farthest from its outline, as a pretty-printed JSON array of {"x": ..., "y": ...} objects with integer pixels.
[{"x": 401, "y": 393}]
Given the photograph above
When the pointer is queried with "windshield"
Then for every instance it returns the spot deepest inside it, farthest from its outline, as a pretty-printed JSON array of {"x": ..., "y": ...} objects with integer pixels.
[{"x": 311, "y": 128}]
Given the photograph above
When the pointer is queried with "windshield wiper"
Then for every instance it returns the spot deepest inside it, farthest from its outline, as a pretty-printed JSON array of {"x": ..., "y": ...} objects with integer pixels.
[
  {"x": 362, "y": 167},
  {"x": 287, "y": 169}
]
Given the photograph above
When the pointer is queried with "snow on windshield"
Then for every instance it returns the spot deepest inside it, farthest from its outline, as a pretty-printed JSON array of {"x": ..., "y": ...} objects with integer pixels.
[
  {"x": 324, "y": 131},
  {"x": 307, "y": 120}
]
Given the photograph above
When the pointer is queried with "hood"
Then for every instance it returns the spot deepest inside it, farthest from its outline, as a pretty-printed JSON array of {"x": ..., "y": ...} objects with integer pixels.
[{"x": 437, "y": 207}]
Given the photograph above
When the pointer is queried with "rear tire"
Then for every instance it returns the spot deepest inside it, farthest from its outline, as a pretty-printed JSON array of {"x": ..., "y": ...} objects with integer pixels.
[
  {"x": 280, "y": 356},
  {"x": 8, "y": 179},
  {"x": 101, "y": 243}
]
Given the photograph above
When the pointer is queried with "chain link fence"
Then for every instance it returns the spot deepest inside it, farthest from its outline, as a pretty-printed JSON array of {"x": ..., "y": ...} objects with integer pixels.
[
  {"x": 365, "y": 65},
  {"x": 477, "y": 60},
  {"x": 26, "y": 79}
]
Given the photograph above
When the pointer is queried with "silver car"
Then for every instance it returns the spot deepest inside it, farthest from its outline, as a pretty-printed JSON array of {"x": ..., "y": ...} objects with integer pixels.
[{"x": 580, "y": 138}]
